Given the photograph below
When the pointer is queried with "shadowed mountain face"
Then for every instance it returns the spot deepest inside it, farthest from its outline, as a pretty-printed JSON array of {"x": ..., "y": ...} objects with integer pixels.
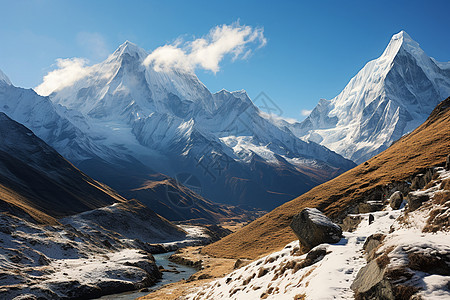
[
  {"x": 388, "y": 98},
  {"x": 38, "y": 181},
  {"x": 426, "y": 146},
  {"x": 170, "y": 122}
]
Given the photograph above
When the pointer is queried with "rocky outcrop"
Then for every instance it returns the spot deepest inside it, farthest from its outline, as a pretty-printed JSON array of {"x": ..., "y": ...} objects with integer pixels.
[
  {"x": 370, "y": 283},
  {"x": 371, "y": 244},
  {"x": 314, "y": 228},
  {"x": 396, "y": 200},
  {"x": 415, "y": 201}
]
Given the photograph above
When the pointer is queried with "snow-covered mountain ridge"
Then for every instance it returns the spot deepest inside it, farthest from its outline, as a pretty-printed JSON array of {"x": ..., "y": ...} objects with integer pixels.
[
  {"x": 388, "y": 98},
  {"x": 123, "y": 111}
]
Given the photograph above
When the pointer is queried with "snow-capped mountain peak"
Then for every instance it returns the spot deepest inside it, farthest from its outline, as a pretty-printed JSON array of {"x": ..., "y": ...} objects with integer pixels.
[
  {"x": 4, "y": 78},
  {"x": 389, "y": 97},
  {"x": 129, "y": 48}
]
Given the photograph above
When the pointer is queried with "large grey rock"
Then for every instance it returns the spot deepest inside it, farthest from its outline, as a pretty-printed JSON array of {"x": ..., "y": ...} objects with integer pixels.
[
  {"x": 396, "y": 200},
  {"x": 371, "y": 284},
  {"x": 313, "y": 228}
]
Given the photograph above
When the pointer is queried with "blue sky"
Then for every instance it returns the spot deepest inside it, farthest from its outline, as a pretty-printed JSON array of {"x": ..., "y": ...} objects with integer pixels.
[{"x": 313, "y": 48}]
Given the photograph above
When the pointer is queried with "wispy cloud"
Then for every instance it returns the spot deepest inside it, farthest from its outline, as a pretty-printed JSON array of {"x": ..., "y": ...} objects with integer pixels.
[
  {"x": 207, "y": 52},
  {"x": 305, "y": 112},
  {"x": 68, "y": 71},
  {"x": 94, "y": 43}
]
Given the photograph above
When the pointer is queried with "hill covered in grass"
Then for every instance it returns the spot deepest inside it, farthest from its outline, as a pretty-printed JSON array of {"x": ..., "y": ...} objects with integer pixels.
[{"x": 426, "y": 146}]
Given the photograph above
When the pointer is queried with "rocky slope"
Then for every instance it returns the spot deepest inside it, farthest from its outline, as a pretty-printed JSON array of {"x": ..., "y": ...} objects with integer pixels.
[
  {"x": 388, "y": 98},
  {"x": 170, "y": 122},
  {"x": 396, "y": 253},
  {"x": 426, "y": 146}
]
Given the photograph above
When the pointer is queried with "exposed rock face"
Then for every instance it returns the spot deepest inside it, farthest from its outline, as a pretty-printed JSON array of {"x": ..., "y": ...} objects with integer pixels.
[
  {"x": 314, "y": 228},
  {"x": 370, "y": 283},
  {"x": 396, "y": 200},
  {"x": 415, "y": 201},
  {"x": 371, "y": 243}
]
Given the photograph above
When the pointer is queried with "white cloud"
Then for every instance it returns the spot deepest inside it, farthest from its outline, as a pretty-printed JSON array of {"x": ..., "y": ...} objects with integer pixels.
[
  {"x": 207, "y": 52},
  {"x": 68, "y": 71},
  {"x": 305, "y": 112},
  {"x": 94, "y": 43},
  {"x": 277, "y": 118}
]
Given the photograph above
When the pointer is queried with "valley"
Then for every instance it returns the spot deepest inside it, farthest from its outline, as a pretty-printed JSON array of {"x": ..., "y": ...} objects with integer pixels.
[{"x": 128, "y": 171}]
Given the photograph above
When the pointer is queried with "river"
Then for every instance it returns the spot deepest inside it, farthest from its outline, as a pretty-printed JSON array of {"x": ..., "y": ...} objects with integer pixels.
[{"x": 167, "y": 277}]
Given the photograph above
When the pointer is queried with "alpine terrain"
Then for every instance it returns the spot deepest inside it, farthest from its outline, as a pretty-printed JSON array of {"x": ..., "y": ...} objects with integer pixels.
[
  {"x": 126, "y": 113},
  {"x": 388, "y": 98},
  {"x": 63, "y": 234}
]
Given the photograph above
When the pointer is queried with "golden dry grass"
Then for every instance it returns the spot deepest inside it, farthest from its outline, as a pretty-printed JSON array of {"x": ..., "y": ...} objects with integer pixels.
[{"x": 426, "y": 146}]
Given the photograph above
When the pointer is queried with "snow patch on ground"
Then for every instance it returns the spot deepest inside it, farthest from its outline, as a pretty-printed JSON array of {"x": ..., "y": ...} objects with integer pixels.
[{"x": 280, "y": 275}]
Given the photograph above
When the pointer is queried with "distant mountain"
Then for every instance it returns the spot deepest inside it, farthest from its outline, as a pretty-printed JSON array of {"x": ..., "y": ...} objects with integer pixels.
[
  {"x": 389, "y": 97},
  {"x": 170, "y": 122}
]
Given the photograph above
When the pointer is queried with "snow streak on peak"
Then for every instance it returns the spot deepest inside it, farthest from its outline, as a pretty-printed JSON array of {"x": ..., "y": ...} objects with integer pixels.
[{"x": 4, "y": 78}]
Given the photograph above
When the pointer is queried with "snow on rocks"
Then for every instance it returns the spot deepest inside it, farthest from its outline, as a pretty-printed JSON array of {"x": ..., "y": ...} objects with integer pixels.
[
  {"x": 55, "y": 262},
  {"x": 409, "y": 258},
  {"x": 312, "y": 228},
  {"x": 284, "y": 275}
]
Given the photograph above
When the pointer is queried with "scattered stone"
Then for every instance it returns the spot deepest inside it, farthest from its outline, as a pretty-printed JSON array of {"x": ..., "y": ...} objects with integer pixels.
[
  {"x": 351, "y": 222},
  {"x": 371, "y": 284},
  {"x": 415, "y": 201},
  {"x": 371, "y": 206},
  {"x": 240, "y": 263},
  {"x": 371, "y": 219},
  {"x": 313, "y": 228},
  {"x": 314, "y": 256},
  {"x": 204, "y": 276},
  {"x": 418, "y": 182},
  {"x": 396, "y": 200},
  {"x": 371, "y": 243}
]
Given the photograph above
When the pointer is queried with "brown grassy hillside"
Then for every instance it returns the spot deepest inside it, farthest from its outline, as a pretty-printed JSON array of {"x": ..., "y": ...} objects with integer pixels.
[
  {"x": 36, "y": 181},
  {"x": 428, "y": 145}
]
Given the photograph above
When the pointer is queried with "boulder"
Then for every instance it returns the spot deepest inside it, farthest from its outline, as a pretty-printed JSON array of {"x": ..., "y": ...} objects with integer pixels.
[
  {"x": 418, "y": 182},
  {"x": 371, "y": 243},
  {"x": 313, "y": 228},
  {"x": 370, "y": 283},
  {"x": 415, "y": 201},
  {"x": 396, "y": 200}
]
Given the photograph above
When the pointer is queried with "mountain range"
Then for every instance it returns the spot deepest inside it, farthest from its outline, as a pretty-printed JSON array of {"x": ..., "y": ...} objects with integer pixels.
[{"x": 138, "y": 124}]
